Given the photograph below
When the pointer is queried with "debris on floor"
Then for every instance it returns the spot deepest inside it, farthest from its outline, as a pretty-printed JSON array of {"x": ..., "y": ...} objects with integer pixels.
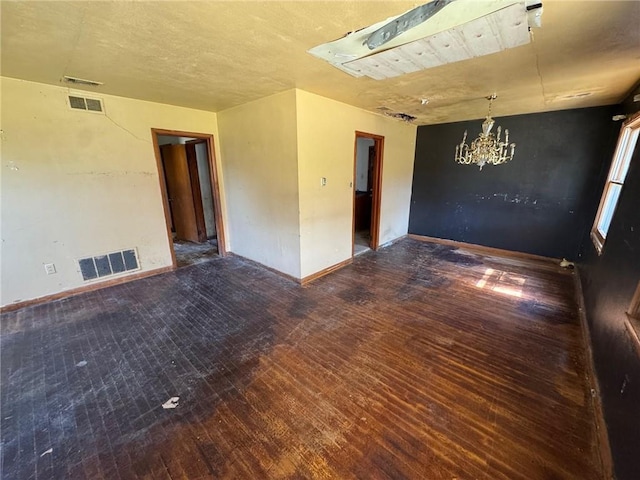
[
  {"x": 47, "y": 452},
  {"x": 81, "y": 363},
  {"x": 567, "y": 264},
  {"x": 171, "y": 403}
]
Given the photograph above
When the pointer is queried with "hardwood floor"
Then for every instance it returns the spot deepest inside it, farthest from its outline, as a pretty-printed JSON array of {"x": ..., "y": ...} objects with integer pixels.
[{"x": 419, "y": 361}]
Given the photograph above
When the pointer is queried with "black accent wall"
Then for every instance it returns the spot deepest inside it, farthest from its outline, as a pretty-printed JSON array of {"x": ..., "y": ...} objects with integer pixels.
[
  {"x": 541, "y": 202},
  {"x": 609, "y": 282},
  {"x": 544, "y": 202}
]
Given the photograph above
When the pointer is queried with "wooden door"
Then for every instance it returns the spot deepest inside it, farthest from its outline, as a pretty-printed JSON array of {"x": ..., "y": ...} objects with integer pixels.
[
  {"x": 180, "y": 192},
  {"x": 192, "y": 164}
]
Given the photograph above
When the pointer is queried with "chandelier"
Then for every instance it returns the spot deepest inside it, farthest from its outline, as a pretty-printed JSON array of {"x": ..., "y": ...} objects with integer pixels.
[{"x": 487, "y": 148}]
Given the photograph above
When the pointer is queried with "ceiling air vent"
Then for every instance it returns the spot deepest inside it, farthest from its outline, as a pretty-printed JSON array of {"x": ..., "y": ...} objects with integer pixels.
[
  {"x": 77, "y": 102},
  {"x": 81, "y": 81}
]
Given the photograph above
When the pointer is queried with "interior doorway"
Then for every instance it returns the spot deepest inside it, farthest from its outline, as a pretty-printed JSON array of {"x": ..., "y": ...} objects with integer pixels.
[
  {"x": 191, "y": 198},
  {"x": 367, "y": 182}
]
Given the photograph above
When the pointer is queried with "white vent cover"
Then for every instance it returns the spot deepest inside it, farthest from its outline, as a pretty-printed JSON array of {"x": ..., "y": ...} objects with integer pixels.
[{"x": 94, "y": 105}]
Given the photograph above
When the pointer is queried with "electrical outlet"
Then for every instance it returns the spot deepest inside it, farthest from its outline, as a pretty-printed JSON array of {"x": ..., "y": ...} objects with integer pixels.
[
  {"x": 50, "y": 268},
  {"x": 323, "y": 181}
]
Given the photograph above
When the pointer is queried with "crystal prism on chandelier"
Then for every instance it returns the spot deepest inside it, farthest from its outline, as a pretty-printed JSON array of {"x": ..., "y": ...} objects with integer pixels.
[{"x": 487, "y": 148}]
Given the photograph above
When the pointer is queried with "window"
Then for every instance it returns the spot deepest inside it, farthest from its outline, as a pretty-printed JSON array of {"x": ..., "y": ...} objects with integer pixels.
[{"x": 615, "y": 180}]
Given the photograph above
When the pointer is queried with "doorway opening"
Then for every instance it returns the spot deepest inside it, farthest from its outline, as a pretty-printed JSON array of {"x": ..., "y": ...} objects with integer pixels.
[
  {"x": 367, "y": 180},
  {"x": 191, "y": 197}
]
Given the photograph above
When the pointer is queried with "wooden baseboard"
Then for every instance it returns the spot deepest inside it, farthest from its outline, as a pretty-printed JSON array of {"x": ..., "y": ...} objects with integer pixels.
[
  {"x": 326, "y": 271},
  {"x": 391, "y": 242},
  {"x": 83, "y": 289},
  {"x": 487, "y": 250},
  {"x": 262, "y": 265},
  {"x": 301, "y": 281},
  {"x": 601, "y": 426}
]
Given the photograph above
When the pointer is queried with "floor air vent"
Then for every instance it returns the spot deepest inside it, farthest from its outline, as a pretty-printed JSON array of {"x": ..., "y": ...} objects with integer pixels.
[
  {"x": 109, "y": 264},
  {"x": 87, "y": 104}
]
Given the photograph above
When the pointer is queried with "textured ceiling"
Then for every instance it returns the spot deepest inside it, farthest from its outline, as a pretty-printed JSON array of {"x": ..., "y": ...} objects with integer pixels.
[{"x": 216, "y": 55}]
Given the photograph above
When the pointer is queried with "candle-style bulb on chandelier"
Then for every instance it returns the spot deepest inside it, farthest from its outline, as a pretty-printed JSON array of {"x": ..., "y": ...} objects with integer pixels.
[{"x": 487, "y": 148}]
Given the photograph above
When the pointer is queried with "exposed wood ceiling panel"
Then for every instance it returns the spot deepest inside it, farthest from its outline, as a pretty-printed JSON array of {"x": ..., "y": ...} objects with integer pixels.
[
  {"x": 216, "y": 55},
  {"x": 506, "y": 28}
]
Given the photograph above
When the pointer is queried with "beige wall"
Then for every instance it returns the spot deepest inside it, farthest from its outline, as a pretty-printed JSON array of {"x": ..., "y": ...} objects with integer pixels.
[
  {"x": 258, "y": 145},
  {"x": 326, "y": 142},
  {"x": 78, "y": 184},
  {"x": 275, "y": 152}
]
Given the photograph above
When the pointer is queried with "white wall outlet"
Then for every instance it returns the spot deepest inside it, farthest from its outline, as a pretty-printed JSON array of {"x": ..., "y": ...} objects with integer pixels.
[
  {"x": 323, "y": 181},
  {"x": 50, "y": 268}
]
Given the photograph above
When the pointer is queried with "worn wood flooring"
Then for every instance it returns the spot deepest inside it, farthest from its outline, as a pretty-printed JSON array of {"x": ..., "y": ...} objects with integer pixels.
[{"x": 419, "y": 361}]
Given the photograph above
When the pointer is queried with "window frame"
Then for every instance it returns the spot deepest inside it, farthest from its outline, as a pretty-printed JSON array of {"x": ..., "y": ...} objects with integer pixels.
[
  {"x": 625, "y": 147},
  {"x": 634, "y": 307},
  {"x": 633, "y": 319}
]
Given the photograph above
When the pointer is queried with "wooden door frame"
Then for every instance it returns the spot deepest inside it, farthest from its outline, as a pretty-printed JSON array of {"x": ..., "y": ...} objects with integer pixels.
[
  {"x": 213, "y": 173},
  {"x": 376, "y": 200}
]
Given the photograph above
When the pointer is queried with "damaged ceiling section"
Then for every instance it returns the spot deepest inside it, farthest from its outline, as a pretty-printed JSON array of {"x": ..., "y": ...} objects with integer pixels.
[
  {"x": 437, "y": 33},
  {"x": 584, "y": 55}
]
